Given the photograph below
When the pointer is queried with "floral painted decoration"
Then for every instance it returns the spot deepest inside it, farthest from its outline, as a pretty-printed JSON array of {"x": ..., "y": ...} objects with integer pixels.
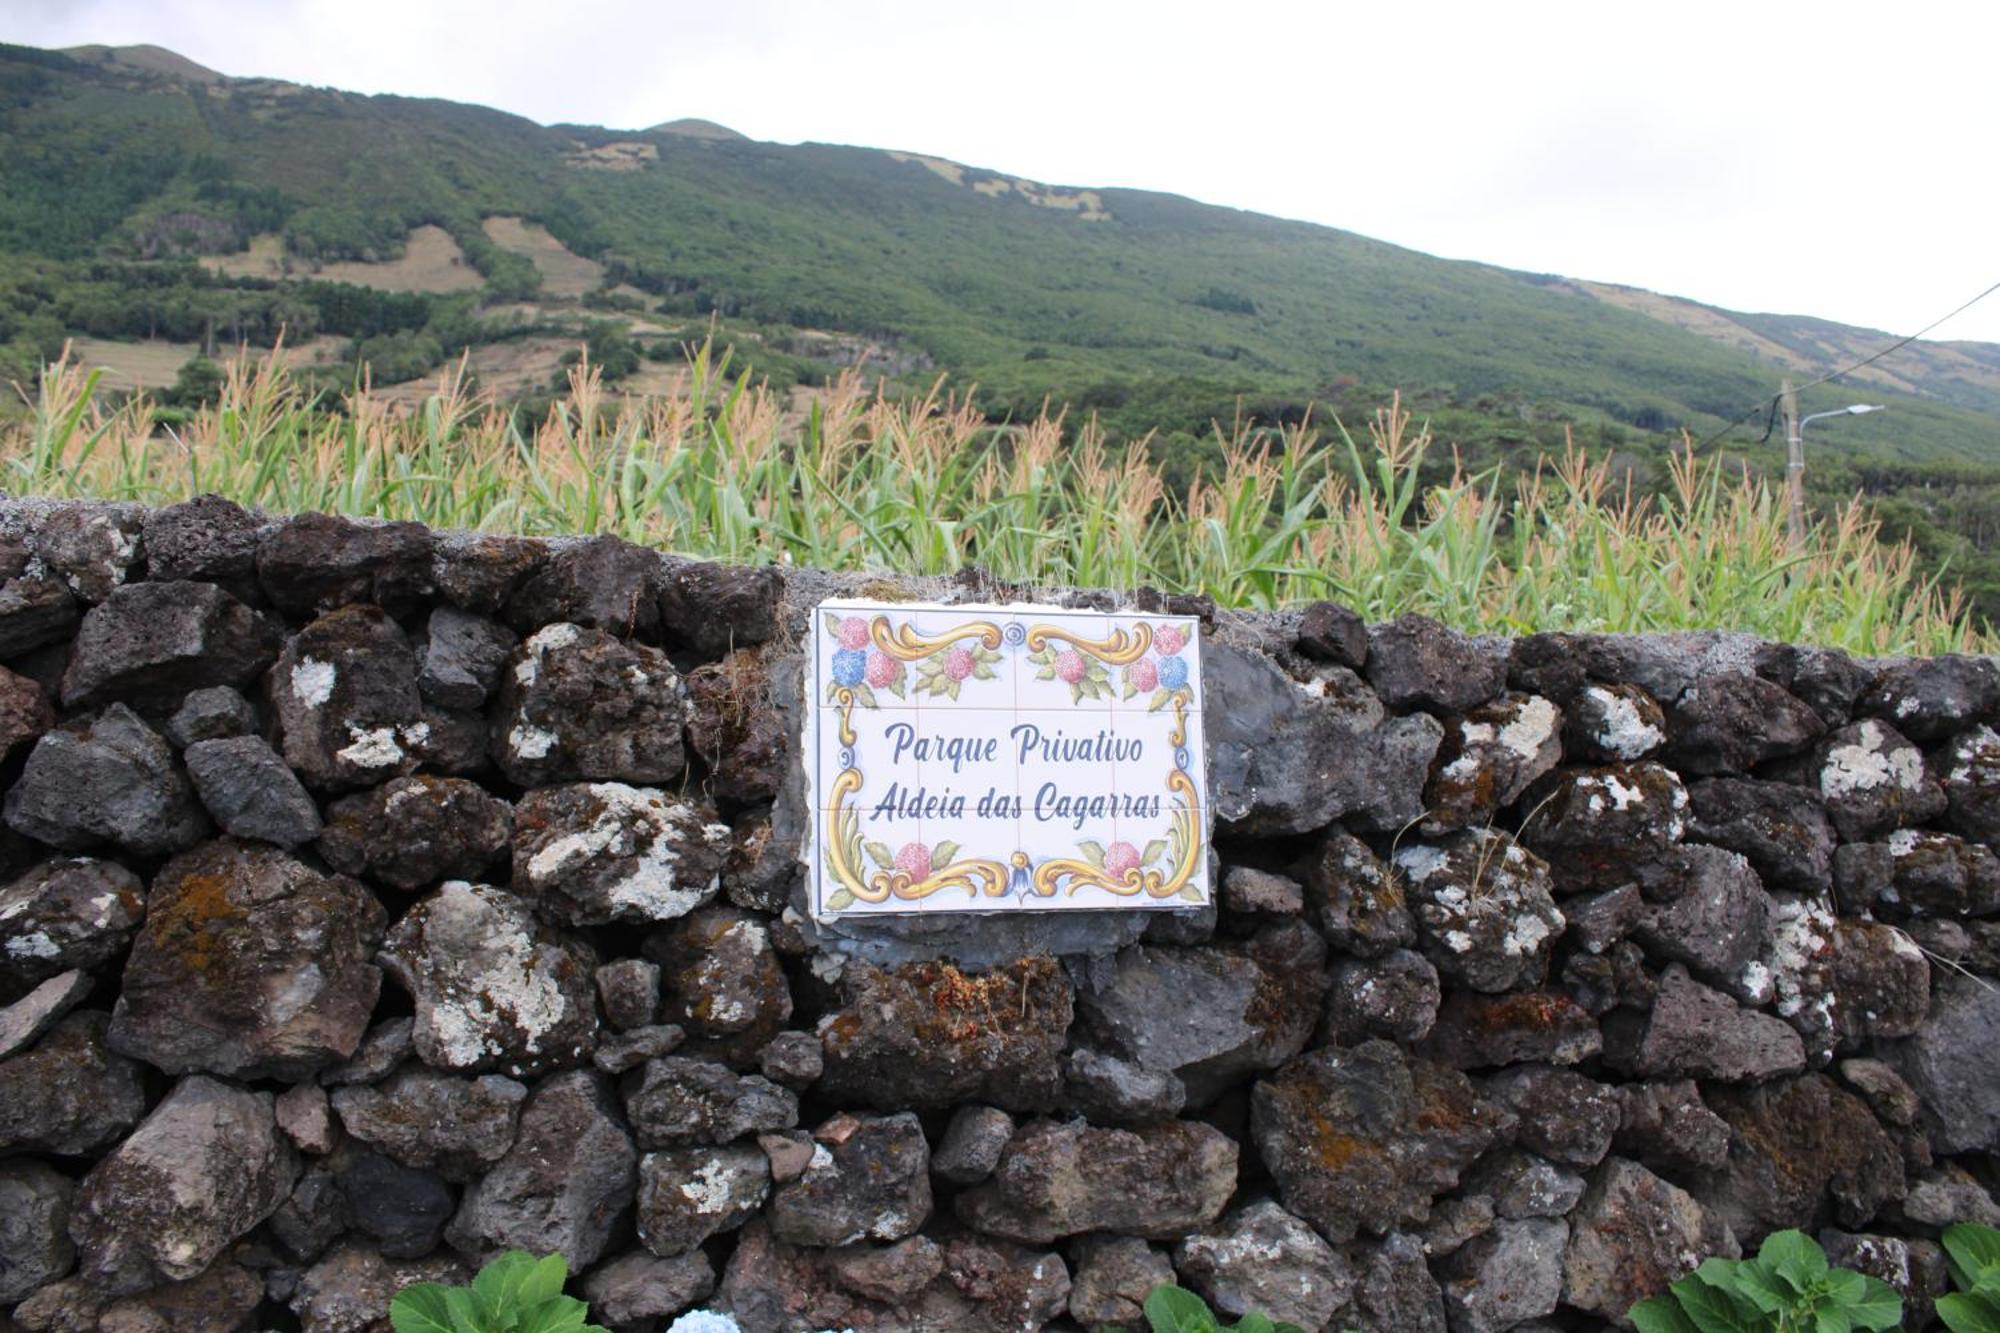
[{"x": 1164, "y": 675}]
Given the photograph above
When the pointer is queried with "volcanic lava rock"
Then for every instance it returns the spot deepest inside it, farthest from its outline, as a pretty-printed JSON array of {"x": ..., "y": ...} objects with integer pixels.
[
  {"x": 868, "y": 1179},
  {"x": 69, "y": 1093},
  {"x": 414, "y": 831},
  {"x": 1260, "y": 1257},
  {"x": 1489, "y": 757},
  {"x": 676, "y": 1100},
  {"x": 1059, "y": 1179},
  {"x": 344, "y": 698},
  {"x": 687, "y": 1195},
  {"x": 1613, "y": 724},
  {"x": 577, "y": 704},
  {"x": 1356, "y": 899},
  {"x": 1483, "y": 908},
  {"x": 724, "y": 983},
  {"x": 1871, "y": 780},
  {"x": 153, "y": 642},
  {"x": 462, "y": 657},
  {"x": 69, "y": 913},
  {"x": 1415, "y": 662},
  {"x": 250, "y": 792},
  {"x": 592, "y": 853},
  {"x": 601, "y": 583},
  {"x": 1781, "y": 829},
  {"x": 447, "y": 1123},
  {"x": 1632, "y": 1235},
  {"x": 313, "y": 563},
  {"x": 105, "y": 778},
  {"x": 1731, "y": 723},
  {"x": 90, "y": 547},
  {"x": 716, "y": 608},
  {"x": 1695, "y": 1031}
]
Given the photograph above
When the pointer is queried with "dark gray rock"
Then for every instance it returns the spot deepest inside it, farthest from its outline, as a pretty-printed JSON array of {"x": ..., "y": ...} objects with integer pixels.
[
  {"x": 90, "y": 547},
  {"x": 313, "y": 563},
  {"x": 714, "y": 608},
  {"x": 1948, "y": 1195},
  {"x": 588, "y": 854},
  {"x": 1801, "y": 966},
  {"x": 206, "y": 1166},
  {"x": 1330, "y": 632},
  {"x": 494, "y": 988},
  {"x": 1521, "y": 1184},
  {"x": 576, "y": 704},
  {"x": 35, "y": 1246},
  {"x": 1367, "y": 1137},
  {"x": 1284, "y": 758},
  {"x": 738, "y": 727},
  {"x": 1695, "y": 1031},
  {"x": 1415, "y": 662},
  {"x": 1731, "y": 723},
  {"x": 462, "y": 657},
  {"x": 1779, "y": 828},
  {"x": 25, "y": 713},
  {"x": 1893, "y": 1101},
  {"x": 1489, "y": 757},
  {"x": 1669, "y": 1128},
  {"x": 34, "y": 613},
  {"x": 1937, "y": 874},
  {"x": 221, "y": 1300},
  {"x": 795, "y": 1059},
  {"x": 1458, "y": 1219},
  {"x": 69, "y": 1094},
  {"x": 1590, "y": 822},
  {"x": 972, "y": 1144},
  {"x": 561, "y": 1187},
  {"x": 250, "y": 964},
  {"x": 1953, "y": 1064},
  {"x": 1828, "y": 680},
  {"x": 479, "y": 571},
  {"x": 1929, "y": 699},
  {"x": 603, "y": 583},
  {"x": 349, "y": 1290},
  {"x": 207, "y": 538},
  {"x": 105, "y": 778},
  {"x": 415, "y": 831},
  {"x": 151, "y": 643},
  {"x": 1881, "y": 984},
  {"x": 1356, "y": 900},
  {"x": 1871, "y": 780},
  {"x": 1971, "y": 770},
  {"x": 1483, "y": 908},
  {"x": 381, "y": 1052},
  {"x": 1247, "y": 889},
  {"x": 1475, "y": 1031},
  {"x": 1563, "y": 1116},
  {"x": 639, "y": 1286},
  {"x": 1596, "y": 921},
  {"x": 688, "y": 1195},
  {"x": 1632, "y": 1235},
  {"x": 313, "y": 1217},
  {"x": 211, "y": 714},
  {"x": 343, "y": 696},
  {"x": 1613, "y": 724},
  {"x": 628, "y": 991},
  {"x": 1718, "y": 923},
  {"x": 447, "y": 1123},
  {"x": 250, "y": 792},
  {"x": 1915, "y": 1268},
  {"x": 1394, "y": 1291},
  {"x": 73, "y": 912},
  {"x": 1114, "y": 1275},
  {"x": 1395, "y": 996},
  {"x": 28, "y": 1018},
  {"x": 724, "y": 983},
  {"x": 1510, "y": 1275},
  {"x": 1799, "y": 1149},
  {"x": 869, "y": 1179},
  {"x": 1262, "y": 1258},
  {"x": 628, "y": 1050},
  {"x": 677, "y": 1100},
  {"x": 1107, "y": 1090},
  {"x": 1210, "y": 1014},
  {"x": 1054, "y": 1179},
  {"x": 929, "y": 1035},
  {"x": 403, "y": 1209},
  {"x": 306, "y": 1119}
]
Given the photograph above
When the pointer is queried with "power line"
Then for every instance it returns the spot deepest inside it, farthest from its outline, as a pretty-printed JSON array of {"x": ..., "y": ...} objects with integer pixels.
[{"x": 1770, "y": 404}]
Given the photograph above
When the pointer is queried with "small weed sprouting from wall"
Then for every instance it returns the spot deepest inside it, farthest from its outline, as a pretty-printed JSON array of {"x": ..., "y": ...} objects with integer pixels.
[{"x": 928, "y": 485}]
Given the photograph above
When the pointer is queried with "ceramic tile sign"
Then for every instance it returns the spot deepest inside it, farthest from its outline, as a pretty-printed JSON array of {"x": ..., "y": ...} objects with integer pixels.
[{"x": 1003, "y": 759}]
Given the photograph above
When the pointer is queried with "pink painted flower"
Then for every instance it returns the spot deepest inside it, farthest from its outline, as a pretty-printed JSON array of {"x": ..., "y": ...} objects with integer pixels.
[
  {"x": 854, "y": 632},
  {"x": 1169, "y": 639},
  {"x": 958, "y": 663},
  {"x": 1143, "y": 674},
  {"x": 914, "y": 860},
  {"x": 1069, "y": 665},
  {"x": 1120, "y": 858},
  {"x": 883, "y": 669}
]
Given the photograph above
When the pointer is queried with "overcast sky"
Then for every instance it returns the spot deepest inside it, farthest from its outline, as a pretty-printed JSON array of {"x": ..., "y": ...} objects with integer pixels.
[{"x": 1804, "y": 158}]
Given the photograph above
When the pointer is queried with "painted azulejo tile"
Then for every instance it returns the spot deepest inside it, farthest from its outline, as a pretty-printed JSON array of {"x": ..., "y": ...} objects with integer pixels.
[{"x": 1004, "y": 758}]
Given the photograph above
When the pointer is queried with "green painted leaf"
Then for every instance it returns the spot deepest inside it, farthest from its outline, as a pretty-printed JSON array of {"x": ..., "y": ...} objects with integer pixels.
[
  {"x": 1960, "y": 1312},
  {"x": 1130, "y": 688},
  {"x": 1046, "y": 673},
  {"x": 944, "y": 854},
  {"x": 896, "y": 687},
  {"x": 837, "y": 901},
  {"x": 865, "y": 696},
  {"x": 1152, "y": 851},
  {"x": 1178, "y": 1310},
  {"x": 1160, "y": 697},
  {"x": 1093, "y": 852},
  {"x": 1192, "y": 894},
  {"x": 1972, "y": 1251},
  {"x": 879, "y": 853},
  {"x": 421, "y": 1308},
  {"x": 1660, "y": 1314},
  {"x": 832, "y": 623}
]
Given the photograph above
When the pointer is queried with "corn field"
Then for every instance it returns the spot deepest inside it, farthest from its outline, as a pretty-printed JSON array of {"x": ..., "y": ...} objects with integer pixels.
[{"x": 928, "y": 485}]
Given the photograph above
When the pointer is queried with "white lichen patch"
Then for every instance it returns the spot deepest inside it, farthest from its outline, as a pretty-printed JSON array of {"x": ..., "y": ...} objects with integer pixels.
[
  {"x": 710, "y": 1189},
  {"x": 1622, "y": 730},
  {"x": 526, "y": 742},
  {"x": 1801, "y": 942},
  {"x": 1528, "y": 933},
  {"x": 504, "y": 985},
  {"x": 313, "y": 681},
  {"x": 1868, "y": 764},
  {"x": 380, "y": 747},
  {"x": 36, "y": 944},
  {"x": 637, "y": 829},
  {"x": 1420, "y": 862}
]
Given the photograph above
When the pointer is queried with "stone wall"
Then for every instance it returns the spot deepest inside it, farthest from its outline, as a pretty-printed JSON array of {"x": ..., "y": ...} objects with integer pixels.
[{"x": 376, "y": 900}]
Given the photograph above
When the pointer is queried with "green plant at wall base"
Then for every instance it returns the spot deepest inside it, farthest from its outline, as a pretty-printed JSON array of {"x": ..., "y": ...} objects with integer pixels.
[
  {"x": 515, "y": 1293},
  {"x": 1973, "y": 1252},
  {"x": 1171, "y": 1309},
  {"x": 1788, "y": 1288}
]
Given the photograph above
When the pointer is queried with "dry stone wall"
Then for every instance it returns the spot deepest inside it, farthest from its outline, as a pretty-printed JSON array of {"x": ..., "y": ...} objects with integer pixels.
[{"x": 376, "y": 900}]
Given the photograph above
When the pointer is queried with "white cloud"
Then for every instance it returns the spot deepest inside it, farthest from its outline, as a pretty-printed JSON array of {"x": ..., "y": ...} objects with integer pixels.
[{"x": 1809, "y": 158}]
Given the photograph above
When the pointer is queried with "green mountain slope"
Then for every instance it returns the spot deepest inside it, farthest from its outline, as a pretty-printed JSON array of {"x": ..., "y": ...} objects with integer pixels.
[{"x": 1138, "y": 303}]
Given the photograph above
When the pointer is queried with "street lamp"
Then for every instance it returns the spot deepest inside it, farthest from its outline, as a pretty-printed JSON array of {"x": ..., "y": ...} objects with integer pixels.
[{"x": 1795, "y": 459}]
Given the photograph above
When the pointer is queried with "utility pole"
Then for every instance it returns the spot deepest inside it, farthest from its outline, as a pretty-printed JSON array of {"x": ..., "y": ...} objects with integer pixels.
[{"x": 1795, "y": 467}]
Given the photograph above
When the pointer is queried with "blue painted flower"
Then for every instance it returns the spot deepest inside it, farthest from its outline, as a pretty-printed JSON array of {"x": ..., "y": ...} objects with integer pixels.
[
  {"x": 848, "y": 666},
  {"x": 1173, "y": 672}
]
